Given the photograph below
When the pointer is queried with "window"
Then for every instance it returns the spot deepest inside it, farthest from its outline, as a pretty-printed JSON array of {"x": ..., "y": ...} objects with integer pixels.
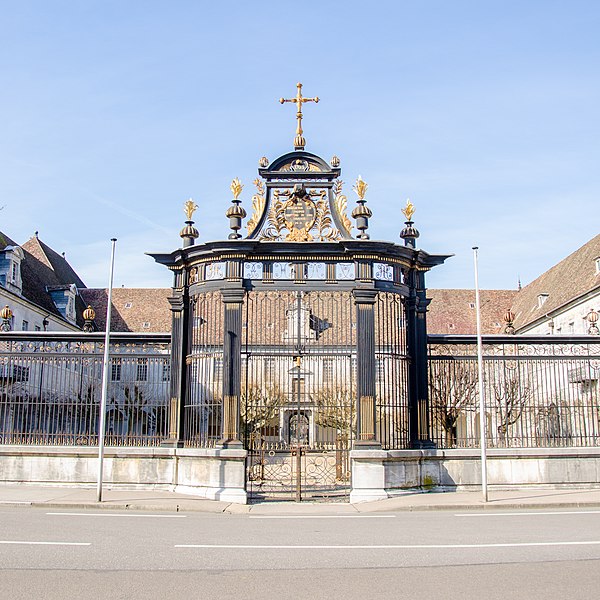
[
  {"x": 298, "y": 388},
  {"x": 598, "y": 266},
  {"x": 146, "y": 325},
  {"x": 218, "y": 368},
  {"x": 166, "y": 371},
  {"x": 142, "y": 369},
  {"x": 471, "y": 305},
  {"x": 14, "y": 273},
  {"x": 328, "y": 369},
  {"x": 379, "y": 369},
  {"x": 128, "y": 305},
  {"x": 541, "y": 299},
  {"x": 269, "y": 366},
  {"x": 115, "y": 374},
  {"x": 25, "y": 325}
]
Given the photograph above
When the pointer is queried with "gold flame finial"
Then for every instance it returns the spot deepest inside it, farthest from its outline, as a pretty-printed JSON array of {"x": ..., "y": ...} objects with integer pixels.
[
  {"x": 409, "y": 211},
  {"x": 360, "y": 187},
  {"x": 236, "y": 188},
  {"x": 188, "y": 208}
]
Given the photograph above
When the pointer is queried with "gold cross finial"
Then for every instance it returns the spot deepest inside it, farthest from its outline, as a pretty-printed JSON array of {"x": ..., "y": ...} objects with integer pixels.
[{"x": 299, "y": 141}]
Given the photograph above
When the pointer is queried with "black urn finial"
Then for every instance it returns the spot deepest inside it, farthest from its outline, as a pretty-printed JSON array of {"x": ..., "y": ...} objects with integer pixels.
[
  {"x": 409, "y": 234},
  {"x": 236, "y": 212},
  {"x": 361, "y": 213},
  {"x": 189, "y": 233}
]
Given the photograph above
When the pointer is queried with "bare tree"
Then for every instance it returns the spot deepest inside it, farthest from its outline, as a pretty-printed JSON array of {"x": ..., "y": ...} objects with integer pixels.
[
  {"x": 335, "y": 409},
  {"x": 511, "y": 394},
  {"x": 259, "y": 406},
  {"x": 452, "y": 389}
]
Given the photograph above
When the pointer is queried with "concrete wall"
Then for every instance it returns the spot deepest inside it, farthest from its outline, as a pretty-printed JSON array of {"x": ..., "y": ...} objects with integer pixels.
[
  {"x": 210, "y": 473},
  {"x": 379, "y": 474},
  {"x": 220, "y": 473}
]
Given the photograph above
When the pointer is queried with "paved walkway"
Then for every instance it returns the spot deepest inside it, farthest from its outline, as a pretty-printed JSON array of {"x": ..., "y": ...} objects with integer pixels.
[{"x": 160, "y": 500}]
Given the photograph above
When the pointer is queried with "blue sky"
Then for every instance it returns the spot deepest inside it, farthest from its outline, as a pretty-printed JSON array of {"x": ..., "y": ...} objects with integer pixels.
[{"x": 484, "y": 114}]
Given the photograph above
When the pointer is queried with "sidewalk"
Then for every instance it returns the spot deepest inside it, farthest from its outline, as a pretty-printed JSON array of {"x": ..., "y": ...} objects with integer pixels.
[{"x": 65, "y": 498}]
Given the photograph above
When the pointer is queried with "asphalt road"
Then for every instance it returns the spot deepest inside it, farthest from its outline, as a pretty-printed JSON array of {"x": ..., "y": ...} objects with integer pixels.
[{"x": 508, "y": 555}]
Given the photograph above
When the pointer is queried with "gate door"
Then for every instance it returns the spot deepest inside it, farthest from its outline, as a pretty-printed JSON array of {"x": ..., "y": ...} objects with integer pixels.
[{"x": 298, "y": 387}]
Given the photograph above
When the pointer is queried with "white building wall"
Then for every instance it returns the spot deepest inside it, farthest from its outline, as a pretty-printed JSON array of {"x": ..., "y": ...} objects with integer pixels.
[
  {"x": 32, "y": 314},
  {"x": 570, "y": 321}
]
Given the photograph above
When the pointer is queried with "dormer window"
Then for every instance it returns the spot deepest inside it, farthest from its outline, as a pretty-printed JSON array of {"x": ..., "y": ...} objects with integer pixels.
[
  {"x": 542, "y": 299},
  {"x": 597, "y": 266},
  {"x": 70, "y": 309},
  {"x": 10, "y": 268}
]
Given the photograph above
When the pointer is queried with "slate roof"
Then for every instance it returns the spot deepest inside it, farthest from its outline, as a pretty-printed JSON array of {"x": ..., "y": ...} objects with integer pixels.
[
  {"x": 6, "y": 241},
  {"x": 134, "y": 309},
  {"x": 63, "y": 272},
  {"x": 571, "y": 278},
  {"x": 452, "y": 311}
]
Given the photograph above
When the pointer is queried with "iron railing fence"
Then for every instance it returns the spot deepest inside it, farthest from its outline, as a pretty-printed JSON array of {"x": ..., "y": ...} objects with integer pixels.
[
  {"x": 539, "y": 391},
  {"x": 51, "y": 387},
  {"x": 203, "y": 403}
]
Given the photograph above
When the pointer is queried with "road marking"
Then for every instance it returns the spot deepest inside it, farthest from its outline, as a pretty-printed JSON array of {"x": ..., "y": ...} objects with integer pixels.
[
  {"x": 322, "y": 516},
  {"x": 529, "y": 514},
  {"x": 46, "y": 543},
  {"x": 133, "y": 516},
  {"x": 384, "y": 547}
]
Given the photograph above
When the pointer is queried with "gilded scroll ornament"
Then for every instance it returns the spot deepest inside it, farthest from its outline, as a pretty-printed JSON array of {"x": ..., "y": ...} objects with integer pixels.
[
  {"x": 258, "y": 205},
  {"x": 275, "y": 219},
  {"x": 341, "y": 205}
]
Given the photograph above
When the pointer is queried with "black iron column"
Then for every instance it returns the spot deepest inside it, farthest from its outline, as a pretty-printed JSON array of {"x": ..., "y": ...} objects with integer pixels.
[
  {"x": 179, "y": 348},
  {"x": 232, "y": 361},
  {"x": 365, "y": 377},
  {"x": 416, "y": 341}
]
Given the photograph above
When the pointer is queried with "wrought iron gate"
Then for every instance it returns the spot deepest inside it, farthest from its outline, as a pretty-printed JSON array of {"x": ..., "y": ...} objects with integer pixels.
[{"x": 298, "y": 414}]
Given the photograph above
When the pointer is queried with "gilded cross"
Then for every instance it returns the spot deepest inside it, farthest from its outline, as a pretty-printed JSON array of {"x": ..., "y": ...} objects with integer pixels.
[{"x": 299, "y": 141}]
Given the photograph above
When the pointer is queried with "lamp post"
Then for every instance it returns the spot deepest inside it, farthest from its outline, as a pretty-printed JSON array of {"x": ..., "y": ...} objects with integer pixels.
[
  {"x": 482, "y": 420},
  {"x": 105, "y": 369}
]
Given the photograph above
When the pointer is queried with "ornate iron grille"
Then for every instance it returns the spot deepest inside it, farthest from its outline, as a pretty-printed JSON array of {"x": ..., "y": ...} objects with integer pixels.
[
  {"x": 538, "y": 392},
  {"x": 391, "y": 373},
  {"x": 203, "y": 406},
  {"x": 298, "y": 415},
  {"x": 51, "y": 388}
]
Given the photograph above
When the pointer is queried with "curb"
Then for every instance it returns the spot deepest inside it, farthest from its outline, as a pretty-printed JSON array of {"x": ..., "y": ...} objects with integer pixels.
[{"x": 247, "y": 509}]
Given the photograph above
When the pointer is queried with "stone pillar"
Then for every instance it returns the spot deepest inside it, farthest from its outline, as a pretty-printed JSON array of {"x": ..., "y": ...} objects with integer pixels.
[
  {"x": 416, "y": 341},
  {"x": 179, "y": 349},
  {"x": 365, "y": 376},
  {"x": 232, "y": 352}
]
